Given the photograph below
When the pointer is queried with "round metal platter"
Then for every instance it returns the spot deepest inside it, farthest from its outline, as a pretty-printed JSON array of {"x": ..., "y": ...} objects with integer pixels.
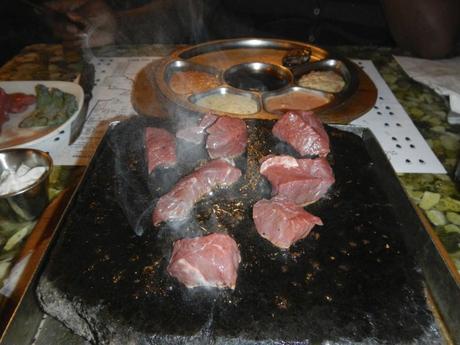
[{"x": 251, "y": 74}]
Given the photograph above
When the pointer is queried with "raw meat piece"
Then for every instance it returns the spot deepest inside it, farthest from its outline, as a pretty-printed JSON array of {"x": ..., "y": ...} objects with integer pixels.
[
  {"x": 208, "y": 119},
  {"x": 177, "y": 204},
  {"x": 282, "y": 222},
  {"x": 302, "y": 181},
  {"x": 304, "y": 132},
  {"x": 195, "y": 134},
  {"x": 210, "y": 261},
  {"x": 160, "y": 148},
  {"x": 227, "y": 138}
]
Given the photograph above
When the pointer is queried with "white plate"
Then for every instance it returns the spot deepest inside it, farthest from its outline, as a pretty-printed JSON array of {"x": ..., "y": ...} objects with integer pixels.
[{"x": 12, "y": 136}]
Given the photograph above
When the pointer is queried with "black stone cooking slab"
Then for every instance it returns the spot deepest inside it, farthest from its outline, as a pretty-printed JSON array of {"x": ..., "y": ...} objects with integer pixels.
[{"x": 351, "y": 281}]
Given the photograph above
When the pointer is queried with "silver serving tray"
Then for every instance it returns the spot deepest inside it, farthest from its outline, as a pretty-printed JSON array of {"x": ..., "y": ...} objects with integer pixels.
[{"x": 229, "y": 60}]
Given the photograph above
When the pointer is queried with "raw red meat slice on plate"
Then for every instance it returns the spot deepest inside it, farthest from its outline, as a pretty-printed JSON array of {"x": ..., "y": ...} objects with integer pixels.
[
  {"x": 4, "y": 105},
  {"x": 19, "y": 102}
]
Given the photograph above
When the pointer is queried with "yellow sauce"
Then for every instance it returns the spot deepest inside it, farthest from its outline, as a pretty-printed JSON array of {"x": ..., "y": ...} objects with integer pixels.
[{"x": 230, "y": 103}]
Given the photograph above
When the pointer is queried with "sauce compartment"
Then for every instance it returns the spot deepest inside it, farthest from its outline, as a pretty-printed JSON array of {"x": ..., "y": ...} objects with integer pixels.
[
  {"x": 185, "y": 78},
  {"x": 328, "y": 81},
  {"x": 227, "y": 100},
  {"x": 295, "y": 98},
  {"x": 258, "y": 76},
  {"x": 329, "y": 75}
]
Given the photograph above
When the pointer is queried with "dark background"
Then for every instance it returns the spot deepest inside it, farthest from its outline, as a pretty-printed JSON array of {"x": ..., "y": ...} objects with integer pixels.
[
  {"x": 337, "y": 22},
  {"x": 20, "y": 26}
]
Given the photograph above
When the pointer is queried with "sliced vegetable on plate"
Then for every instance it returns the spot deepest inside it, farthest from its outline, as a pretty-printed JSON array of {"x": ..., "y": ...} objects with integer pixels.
[{"x": 53, "y": 108}]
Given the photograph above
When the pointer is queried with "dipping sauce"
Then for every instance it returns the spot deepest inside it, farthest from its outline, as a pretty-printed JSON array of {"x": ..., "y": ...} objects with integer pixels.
[
  {"x": 328, "y": 81},
  {"x": 230, "y": 103},
  {"x": 295, "y": 100},
  {"x": 185, "y": 82}
]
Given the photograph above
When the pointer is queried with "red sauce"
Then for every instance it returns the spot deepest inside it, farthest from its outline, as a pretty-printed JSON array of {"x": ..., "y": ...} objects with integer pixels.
[
  {"x": 295, "y": 100},
  {"x": 185, "y": 82}
]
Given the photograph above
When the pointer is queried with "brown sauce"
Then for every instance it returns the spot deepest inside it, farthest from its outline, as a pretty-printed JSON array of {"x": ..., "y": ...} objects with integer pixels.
[
  {"x": 186, "y": 82},
  {"x": 295, "y": 100}
]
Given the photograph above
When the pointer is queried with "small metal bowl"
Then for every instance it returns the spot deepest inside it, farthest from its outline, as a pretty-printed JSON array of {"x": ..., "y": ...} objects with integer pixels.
[{"x": 30, "y": 201}]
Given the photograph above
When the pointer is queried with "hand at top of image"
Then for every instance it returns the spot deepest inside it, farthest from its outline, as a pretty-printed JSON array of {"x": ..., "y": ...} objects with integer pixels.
[{"x": 84, "y": 23}]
